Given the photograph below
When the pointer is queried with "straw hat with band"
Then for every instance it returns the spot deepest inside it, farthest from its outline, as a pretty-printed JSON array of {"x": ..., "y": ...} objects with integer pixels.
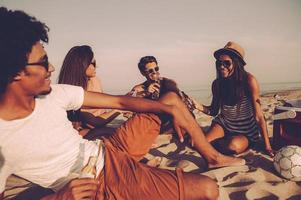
[{"x": 233, "y": 49}]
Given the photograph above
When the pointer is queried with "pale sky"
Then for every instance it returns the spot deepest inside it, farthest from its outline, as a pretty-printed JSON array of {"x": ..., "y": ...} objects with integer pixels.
[{"x": 182, "y": 35}]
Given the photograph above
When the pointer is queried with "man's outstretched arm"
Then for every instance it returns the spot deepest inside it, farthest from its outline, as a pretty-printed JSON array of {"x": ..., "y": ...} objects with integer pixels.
[{"x": 101, "y": 100}]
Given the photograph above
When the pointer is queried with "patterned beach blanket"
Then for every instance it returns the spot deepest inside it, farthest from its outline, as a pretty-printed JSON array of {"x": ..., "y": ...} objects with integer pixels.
[{"x": 256, "y": 180}]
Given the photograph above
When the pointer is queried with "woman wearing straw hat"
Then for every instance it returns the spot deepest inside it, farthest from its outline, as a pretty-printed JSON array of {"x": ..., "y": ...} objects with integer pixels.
[{"x": 239, "y": 120}]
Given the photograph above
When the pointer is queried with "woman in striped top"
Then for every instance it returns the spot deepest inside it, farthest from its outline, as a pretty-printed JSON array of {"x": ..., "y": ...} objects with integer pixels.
[{"x": 239, "y": 120}]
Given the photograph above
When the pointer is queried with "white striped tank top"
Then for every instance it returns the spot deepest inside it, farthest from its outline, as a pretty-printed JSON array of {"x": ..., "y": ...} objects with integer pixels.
[{"x": 239, "y": 119}]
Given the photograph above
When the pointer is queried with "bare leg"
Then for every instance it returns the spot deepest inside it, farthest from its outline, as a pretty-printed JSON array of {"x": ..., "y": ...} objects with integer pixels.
[
  {"x": 231, "y": 145},
  {"x": 238, "y": 144},
  {"x": 213, "y": 157},
  {"x": 215, "y": 132},
  {"x": 199, "y": 187}
]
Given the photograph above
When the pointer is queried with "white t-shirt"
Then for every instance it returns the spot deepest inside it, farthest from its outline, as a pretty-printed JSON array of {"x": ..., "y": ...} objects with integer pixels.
[
  {"x": 43, "y": 147},
  {"x": 94, "y": 85}
]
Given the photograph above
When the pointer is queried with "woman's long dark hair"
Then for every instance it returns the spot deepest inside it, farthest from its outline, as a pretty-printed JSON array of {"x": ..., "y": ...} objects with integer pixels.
[
  {"x": 73, "y": 71},
  {"x": 232, "y": 89}
]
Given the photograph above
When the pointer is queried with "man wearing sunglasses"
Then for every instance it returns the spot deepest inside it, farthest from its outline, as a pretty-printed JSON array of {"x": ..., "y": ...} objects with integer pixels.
[
  {"x": 152, "y": 87},
  {"x": 38, "y": 142},
  {"x": 155, "y": 85}
]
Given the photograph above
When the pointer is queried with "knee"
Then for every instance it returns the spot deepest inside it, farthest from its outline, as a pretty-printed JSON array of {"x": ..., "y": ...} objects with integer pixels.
[
  {"x": 170, "y": 98},
  {"x": 201, "y": 187},
  {"x": 210, "y": 189},
  {"x": 239, "y": 145}
]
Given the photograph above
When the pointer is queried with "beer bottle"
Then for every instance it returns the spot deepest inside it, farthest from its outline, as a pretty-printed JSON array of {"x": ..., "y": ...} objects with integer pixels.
[
  {"x": 156, "y": 94},
  {"x": 89, "y": 171}
]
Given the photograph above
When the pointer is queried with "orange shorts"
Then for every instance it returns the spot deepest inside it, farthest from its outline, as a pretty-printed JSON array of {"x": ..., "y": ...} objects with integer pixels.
[{"x": 124, "y": 177}]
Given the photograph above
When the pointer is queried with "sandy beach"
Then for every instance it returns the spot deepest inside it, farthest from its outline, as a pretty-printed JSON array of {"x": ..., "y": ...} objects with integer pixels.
[{"x": 255, "y": 180}]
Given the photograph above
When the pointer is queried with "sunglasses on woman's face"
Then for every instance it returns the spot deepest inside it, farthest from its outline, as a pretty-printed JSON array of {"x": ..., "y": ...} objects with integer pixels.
[
  {"x": 226, "y": 63},
  {"x": 152, "y": 70}
]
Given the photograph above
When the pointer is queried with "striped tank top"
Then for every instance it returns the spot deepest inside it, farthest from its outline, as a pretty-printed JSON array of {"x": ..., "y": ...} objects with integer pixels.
[{"x": 239, "y": 119}]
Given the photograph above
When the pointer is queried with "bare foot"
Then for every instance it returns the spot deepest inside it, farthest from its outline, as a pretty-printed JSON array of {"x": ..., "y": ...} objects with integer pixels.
[
  {"x": 155, "y": 162},
  {"x": 226, "y": 161}
]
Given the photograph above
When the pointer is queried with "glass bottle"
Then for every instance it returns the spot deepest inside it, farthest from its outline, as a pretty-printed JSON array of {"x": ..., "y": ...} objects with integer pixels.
[
  {"x": 89, "y": 171},
  {"x": 156, "y": 94}
]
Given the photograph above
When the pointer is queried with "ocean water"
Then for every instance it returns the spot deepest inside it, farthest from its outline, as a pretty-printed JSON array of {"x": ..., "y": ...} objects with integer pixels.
[{"x": 202, "y": 93}]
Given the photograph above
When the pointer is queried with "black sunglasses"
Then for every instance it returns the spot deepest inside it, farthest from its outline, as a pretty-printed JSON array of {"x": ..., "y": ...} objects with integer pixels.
[
  {"x": 152, "y": 70},
  {"x": 225, "y": 63},
  {"x": 93, "y": 63},
  {"x": 43, "y": 63}
]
